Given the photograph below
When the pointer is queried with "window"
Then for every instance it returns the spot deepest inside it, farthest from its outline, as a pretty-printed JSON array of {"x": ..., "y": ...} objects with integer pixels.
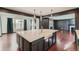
[{"x": 19, "y": 25}]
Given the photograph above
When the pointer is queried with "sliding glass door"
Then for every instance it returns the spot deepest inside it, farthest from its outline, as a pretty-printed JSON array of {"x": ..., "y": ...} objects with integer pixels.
[{"x": 0, "y": 27}]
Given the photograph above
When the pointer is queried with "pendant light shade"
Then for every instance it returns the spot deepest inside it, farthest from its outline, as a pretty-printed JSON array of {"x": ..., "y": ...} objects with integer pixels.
[
  {"x": 34, "y": 14},
  {"x": 41, "y": 20},
  {"x": 51, "y": 16},
  {"x": 41, "y": 16},
  {"x": 51, "y": 13}
]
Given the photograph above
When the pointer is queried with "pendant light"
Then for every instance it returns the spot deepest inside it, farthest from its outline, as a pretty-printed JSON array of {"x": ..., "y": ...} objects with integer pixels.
[
  {"x": 40, "y": 16},
  {"x": 34, "y": 14},
  {"x": 41, "y": 20},
  {"x": 51, "y": 18},
  {"x": 34, "y": 21},
  {"x": 51, "y": 12}
]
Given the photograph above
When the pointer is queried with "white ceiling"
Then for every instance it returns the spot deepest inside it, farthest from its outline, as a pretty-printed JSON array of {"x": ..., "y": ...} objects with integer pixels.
[{"x": 45, "y": 10}]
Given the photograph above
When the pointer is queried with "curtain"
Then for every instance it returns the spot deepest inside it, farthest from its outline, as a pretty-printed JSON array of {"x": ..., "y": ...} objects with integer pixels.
[
  {"x": 10, "y": 25},
  {"x": 25, "y": 24}
]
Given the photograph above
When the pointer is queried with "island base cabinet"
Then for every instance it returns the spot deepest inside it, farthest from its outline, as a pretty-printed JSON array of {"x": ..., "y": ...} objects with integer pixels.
[
  {"x": 54, "y": 38},
  {"x": 25, "y": 45},
  {"x": 33, "y": 46},
  {"x": 20, "y": 42},
  {"x": 38, "y": 45},
  {"x": 46, "y": 45},
  {"x": 49, "y": 42}
]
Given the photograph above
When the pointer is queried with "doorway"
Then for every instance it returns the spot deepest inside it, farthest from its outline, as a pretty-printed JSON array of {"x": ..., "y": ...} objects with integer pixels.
[{"x": 10, "y": 25}]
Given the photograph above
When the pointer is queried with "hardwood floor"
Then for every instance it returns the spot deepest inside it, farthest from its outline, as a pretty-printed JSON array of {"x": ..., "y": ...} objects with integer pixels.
[
  {"x": 64, "y": 42},
  {"x": 8, "y": 42},
  {"x": 55, "y": 48}
]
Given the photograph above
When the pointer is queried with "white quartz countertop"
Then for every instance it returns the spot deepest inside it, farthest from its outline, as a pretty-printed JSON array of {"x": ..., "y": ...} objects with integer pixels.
[{"x": 32, "y": 35}]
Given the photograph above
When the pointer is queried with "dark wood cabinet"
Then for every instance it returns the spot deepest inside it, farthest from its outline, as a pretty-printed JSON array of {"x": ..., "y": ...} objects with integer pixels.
[
  {"x": 49, "y": 42},
  {"x": 45, "y": 23},
  {"x": 40, "y": 44},
  {"x": 24, "y": 45},
  {"x": 21, "y": 44},
  {"x": 46, "y": 45},
  {"x": 54, "y": 38},
  {"x": 37, "y": 45}
]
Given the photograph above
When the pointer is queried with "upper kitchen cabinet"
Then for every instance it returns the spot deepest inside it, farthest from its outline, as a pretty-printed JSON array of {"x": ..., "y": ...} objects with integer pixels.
[{"x": 45, "y": 23}]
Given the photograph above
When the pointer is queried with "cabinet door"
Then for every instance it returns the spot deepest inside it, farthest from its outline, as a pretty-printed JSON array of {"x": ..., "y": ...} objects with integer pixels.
[
  {"x": 54, "y": 38},
  {"x": 18, "y": 41},
  {"x": 21, "y": 44},
  {"x": 40, "y": 45},
  {"x": 46, "y": 44},
  {"x": 26, "y": 45},
  {"x": 50, "y": 41},
  {"x": 45, "y": 23},
  {"x": 37, "y": 45},
  {"x": 34, "y": 48}
]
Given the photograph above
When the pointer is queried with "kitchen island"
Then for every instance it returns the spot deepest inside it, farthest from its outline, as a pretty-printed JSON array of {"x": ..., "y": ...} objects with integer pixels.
[
  {"x": 77, "y": 34},
  {"x": 77, "y": 39},
  {"x": 35, "y": 40}
]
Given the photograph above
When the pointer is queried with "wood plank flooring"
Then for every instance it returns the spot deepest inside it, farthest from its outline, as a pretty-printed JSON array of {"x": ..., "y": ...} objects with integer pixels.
[
  {"x": 8, "y": 42},
  {"x": 65, "y": 42}
]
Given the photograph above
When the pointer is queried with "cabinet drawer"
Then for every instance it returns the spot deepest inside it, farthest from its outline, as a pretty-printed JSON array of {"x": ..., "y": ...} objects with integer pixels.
[{"x": 50, "y": 41}]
